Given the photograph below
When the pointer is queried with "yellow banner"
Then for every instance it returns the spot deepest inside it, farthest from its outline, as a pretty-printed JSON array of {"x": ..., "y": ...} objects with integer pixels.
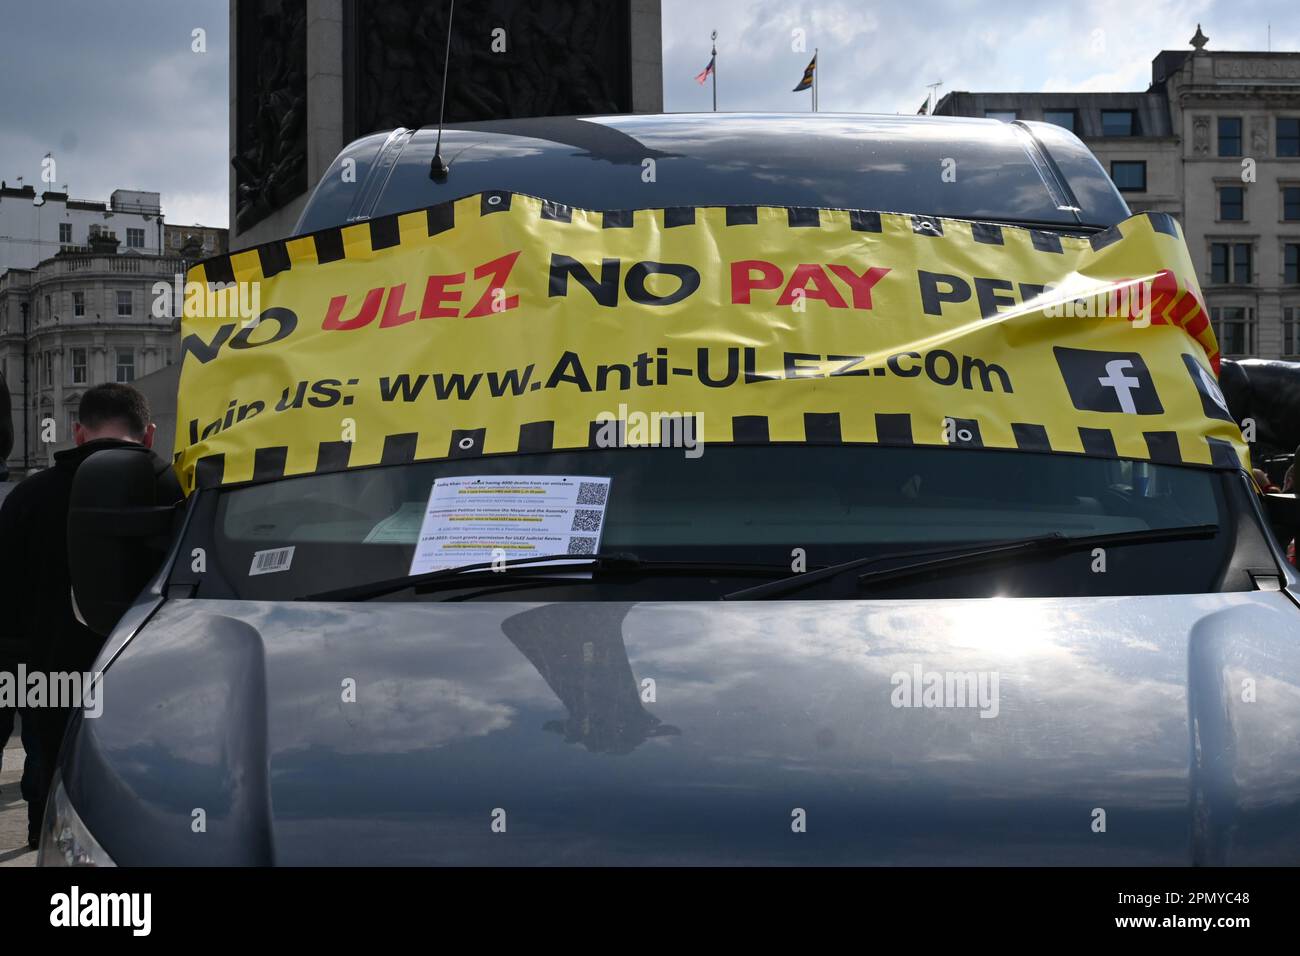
[{"x": 501, "y": 323}]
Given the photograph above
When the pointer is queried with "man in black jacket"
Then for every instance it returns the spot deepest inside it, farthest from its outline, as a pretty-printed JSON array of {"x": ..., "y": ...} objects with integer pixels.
[{"x": 35, "y": 588}]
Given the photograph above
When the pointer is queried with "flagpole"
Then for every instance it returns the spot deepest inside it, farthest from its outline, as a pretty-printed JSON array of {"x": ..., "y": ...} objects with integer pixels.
[
  {"x": 816, "y": 70},
  {"x": 715, "y": 71}
]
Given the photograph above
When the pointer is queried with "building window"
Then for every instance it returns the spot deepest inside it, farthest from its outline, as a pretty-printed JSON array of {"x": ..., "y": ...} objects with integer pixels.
[
  {"x": 1219, "y": 253},
  {"x": 135, "y": 238},
  {"x": 1063, "y": 118},
  {"x": 125, "y": 365},
  {"x": 1006, "y": 116},
  {"x": 1291, "y": 203},
  {"x": 1130, "y": 176},
  {"x": 1229, "y": 135},
  {"x": 1241, "y": 266},
  {"x": 1118, "y": 123},
  {"x": 1291, "y": 263},
  {"x": 65, "y": 233},
  {"x": 72, "y": 422},
  {"x": 1230, "y": 263},
  {"x": 1232, "y": 203},
  {"x": 49, "y": 368},
  {"x": 1291, "y": 330},
  {"x": 49, "y": 309},
  {"x": 124, "y": 304},
  {"x": 1234, "y": 327},
  {"x": 1288, "y": 136},
  {"x": 77, "y": 361},
  {"x": 78, "y": 303}
]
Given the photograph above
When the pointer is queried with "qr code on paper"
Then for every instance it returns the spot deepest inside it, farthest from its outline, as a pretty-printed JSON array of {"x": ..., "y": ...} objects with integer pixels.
[
  {"x": 586, "y": 520},
  {"x": 592, "y": 493},
  {"x": 581, "y": 545}
]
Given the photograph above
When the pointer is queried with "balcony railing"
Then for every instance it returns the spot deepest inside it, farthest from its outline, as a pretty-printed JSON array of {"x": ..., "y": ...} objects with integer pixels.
[
  {"x": 152, "y": 209},
  {"x": 123, "y": 264}
]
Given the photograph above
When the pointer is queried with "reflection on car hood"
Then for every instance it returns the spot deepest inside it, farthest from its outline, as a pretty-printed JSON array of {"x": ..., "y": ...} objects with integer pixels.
[{"x": 412, "y": 733}]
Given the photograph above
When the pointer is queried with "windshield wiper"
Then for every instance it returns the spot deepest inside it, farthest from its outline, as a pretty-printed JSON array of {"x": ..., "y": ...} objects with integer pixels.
[
  {"x": 520, "y": 570},
  {"x": 1052, "y": 543}
]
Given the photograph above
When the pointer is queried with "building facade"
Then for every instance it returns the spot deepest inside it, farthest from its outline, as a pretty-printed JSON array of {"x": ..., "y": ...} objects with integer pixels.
[
  {"x": 79, "y": 319},
  {"x": 32, "y": 230},
  {"x": 1215, "y": 141},
  {"x": 195, "y": 243}
]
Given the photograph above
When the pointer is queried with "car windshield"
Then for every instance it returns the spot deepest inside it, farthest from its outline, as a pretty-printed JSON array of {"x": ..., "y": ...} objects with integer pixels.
[{"x": 785, "y": 508}]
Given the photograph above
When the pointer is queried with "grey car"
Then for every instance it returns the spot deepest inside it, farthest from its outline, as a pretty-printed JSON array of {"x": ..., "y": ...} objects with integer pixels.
[{"x": 919, "y": 696}]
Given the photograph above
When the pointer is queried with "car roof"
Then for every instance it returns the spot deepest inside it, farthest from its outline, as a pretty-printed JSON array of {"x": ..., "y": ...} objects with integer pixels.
[{"x": 958, "y": 167}]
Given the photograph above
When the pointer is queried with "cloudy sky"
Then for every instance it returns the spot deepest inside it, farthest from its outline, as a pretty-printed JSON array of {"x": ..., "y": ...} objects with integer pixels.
[{"x": 114, "y": 92}]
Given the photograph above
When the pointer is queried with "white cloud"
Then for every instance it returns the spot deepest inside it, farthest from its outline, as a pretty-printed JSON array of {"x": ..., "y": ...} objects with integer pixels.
[
  {"x": 120, "y": 100},
  {"x": 879, "y": 58},
  {"x": 118, "y": 97}
]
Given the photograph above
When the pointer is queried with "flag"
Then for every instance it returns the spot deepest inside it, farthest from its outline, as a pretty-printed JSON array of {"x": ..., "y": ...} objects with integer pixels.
[
  {"x": 704, "y": 74},
  {"x": 807, "y": 81}
]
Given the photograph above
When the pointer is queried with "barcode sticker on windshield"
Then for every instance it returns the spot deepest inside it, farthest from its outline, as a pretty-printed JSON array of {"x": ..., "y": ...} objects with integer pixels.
[{"x": 268, "y": 562}]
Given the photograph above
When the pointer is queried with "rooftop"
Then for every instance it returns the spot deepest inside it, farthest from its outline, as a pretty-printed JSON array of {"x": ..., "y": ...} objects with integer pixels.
[{"x": 121, "y": 200}]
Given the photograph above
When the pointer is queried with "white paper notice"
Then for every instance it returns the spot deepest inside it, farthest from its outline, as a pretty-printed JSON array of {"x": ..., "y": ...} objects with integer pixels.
[{"x": 474, "y": 519}]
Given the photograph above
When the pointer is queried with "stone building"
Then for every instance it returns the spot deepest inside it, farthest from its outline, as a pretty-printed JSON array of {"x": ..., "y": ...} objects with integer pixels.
[
  {"x": 32, "y": 229},
  {"x": 1214, "y": 140},
  {"x": 78, "y": 319},
  {"x": 194, "y": 243}
]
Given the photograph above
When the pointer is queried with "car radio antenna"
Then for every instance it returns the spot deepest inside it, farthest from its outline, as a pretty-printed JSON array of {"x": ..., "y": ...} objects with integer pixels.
[{"x": 438, "y": 169}]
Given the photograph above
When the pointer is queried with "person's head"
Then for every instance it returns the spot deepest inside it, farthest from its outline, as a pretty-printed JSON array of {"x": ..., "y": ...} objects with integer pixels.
[{"x": 114, "y": 410}]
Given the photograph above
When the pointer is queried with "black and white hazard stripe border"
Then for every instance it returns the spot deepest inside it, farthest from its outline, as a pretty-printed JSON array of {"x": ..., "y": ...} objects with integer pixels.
[{"x": 820, "y": 428}]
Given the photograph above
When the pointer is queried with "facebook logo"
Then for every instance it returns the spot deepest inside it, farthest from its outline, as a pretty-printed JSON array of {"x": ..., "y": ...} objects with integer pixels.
[{"x": 1108, "y": 381}]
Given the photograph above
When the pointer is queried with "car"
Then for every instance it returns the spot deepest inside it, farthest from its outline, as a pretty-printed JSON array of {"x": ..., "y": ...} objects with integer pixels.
[{"x": 785, "y": 651}]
